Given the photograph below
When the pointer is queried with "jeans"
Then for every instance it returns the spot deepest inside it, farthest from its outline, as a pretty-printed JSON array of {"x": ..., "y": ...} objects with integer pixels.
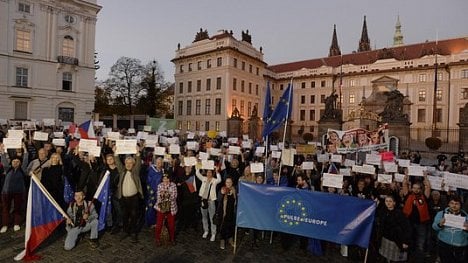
[
  {"x": 74, "y": 232},
  {"x": 170, "y": 223},
  {"x": 421, "y": 236},
  {"x": 452, "y": 254},
  {"x": 17, "y": 199},
  {"x": 208, "y": 214},
  {"x": 130, "y": 206}
]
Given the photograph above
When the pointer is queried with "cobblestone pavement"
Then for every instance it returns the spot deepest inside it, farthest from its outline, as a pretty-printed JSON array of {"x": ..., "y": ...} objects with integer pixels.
[{"x": 190, "y": 247}]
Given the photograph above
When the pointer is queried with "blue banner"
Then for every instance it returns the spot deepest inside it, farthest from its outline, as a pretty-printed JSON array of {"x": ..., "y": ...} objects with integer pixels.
[{"x": 341, "y": 219}]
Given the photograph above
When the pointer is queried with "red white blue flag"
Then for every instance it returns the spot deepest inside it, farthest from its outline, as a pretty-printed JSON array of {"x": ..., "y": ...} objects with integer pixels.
[
  {"x": 86, "y": 130},
  {"x": 43, "y": 215}
]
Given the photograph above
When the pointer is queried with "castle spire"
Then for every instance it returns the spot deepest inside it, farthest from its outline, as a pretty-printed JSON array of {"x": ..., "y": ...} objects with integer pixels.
[
  {"x": 334, "y": 48},
  {"x": 364, "y": 43},
  {"x": 398, "y": 37}
]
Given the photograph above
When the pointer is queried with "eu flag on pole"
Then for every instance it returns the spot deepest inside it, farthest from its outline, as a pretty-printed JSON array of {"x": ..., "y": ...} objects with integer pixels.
[
  {"x": 267, "y": 106},
  {"x": 102, "y": 195},
  {"x": 43, "y": 215},
  {"x": 281, "y": 112}
]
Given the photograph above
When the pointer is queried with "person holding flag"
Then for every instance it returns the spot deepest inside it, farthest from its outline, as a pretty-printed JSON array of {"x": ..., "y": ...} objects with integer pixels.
[
  {"x": 83, "y": 218},
  {"x": 153, "y": 178}
]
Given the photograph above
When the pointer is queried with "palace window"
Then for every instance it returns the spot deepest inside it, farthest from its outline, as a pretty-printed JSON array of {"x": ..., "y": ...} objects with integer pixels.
[{"x": 23, "y": 40}]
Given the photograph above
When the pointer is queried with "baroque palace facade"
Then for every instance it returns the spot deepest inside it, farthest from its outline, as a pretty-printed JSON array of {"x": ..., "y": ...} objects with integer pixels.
[
  {"x": 216, "y": 74},
  {"x": 47, "y": 64}
]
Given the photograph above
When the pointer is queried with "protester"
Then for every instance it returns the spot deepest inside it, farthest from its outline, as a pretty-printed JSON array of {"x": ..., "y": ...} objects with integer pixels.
[
  {"x": 82, "y": 218},
  {"x": 13, "y": 189},
  {"x": 416, "y": 209},
  {"x": 395, "y": 231},
  {"x": 52, "y": 179},
  {"x": 166, "y": 207},
  {"x": 208, "y": 196},
  {"x": 153, "y": 178},
  {"x": 453, "y": 241},
  {"x": 130, "y": 193},
  {"x": 113, "y": 188},
  {"x": 226, "y": 213}
]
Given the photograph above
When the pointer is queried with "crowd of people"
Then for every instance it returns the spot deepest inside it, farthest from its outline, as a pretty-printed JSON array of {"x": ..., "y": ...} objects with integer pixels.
[{"x": 161, "y": 192}]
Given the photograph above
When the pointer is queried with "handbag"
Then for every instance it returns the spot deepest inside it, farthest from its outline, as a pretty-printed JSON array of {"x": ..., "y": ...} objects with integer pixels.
[
  {"x": 204, "y": 203},
  {"x": 165, "y": 206}
]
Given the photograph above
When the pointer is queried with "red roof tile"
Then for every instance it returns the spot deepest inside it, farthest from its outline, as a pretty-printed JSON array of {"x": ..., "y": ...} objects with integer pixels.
[{"x": 407, "y": 52}]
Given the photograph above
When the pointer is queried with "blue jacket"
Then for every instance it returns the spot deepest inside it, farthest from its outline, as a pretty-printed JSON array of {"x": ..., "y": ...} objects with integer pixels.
[{"x": 450, "y": 235}]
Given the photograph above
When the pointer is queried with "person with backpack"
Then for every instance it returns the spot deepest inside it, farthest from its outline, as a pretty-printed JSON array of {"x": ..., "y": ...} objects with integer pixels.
[{"x": 13, "y": 188}]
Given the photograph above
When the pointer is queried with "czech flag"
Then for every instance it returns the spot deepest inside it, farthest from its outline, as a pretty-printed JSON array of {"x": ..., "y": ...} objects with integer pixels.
[
  {"x": 43, "y": 215},
  {"x": 102, "y": 195},
  {"x": 191, "y": 184},
  {"x": 86, "y": 130}
]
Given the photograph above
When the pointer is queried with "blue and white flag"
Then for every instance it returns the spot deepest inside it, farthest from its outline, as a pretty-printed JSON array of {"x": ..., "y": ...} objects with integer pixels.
[
  {"x": 103, "y": 195},
  {"x": 68, "y": 193},
  {"x": 340, "y": 219}
]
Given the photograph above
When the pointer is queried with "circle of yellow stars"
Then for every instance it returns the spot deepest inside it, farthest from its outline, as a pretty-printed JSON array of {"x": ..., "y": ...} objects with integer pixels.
[{"x": 288, "y": 205}]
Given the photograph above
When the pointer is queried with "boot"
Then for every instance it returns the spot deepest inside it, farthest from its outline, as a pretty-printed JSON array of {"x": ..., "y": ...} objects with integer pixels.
[{"x": 222, "y": 243}]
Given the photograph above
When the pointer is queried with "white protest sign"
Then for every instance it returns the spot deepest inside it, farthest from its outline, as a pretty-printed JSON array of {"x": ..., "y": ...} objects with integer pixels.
[
  {"x": 141, "y": 135},
  {"x": 85, "y": 145},
  {"x": 208, "y": 164},
  {"x": 336, "y": 158},
  {"x": 246, "y": 144},
  {"x": 390, "y": 167},
  {"x": 368, "y": 169},
  {"x": 48, "y": 122},
  {"x": 234, "y": 149},
  {"x": 456, "y": 180},
  {"x": 274, "y": 148},
  {"x": 455, "y": 221},
  {"x": 281, "y": 145},
  {"x": 437, "y": 183},
  {"x": 203, "y": 156},
  {"x": 174, "y": 149},
  {"x": 404, "y": 162},
  {"x": 12, "y": 143},
  {"x": 190, "y": 135},
  {"x": 173, "y": 140},
  {"x": 126, "y": 146},
  {"x": 170, "y": 132},
  {"x": 345, "y": 171},
  {"x": 191, "y": 145},
  {"x": 256, "y": 168},
  {"x": 147, "y": 128},
  {"x": 58, "y": 134},
  {"x": 323, "y": 158},
  {"x": 95, "y": 151},
  {"x": 308, "y": 166},
  {"x": 105, "y": 131},
  {"x": 233, "y": 140},
  {"x": 113, "y": 135},
  {"x": 41, "y": 136},
  {"x": 58, "y": 142},
  {"x": 385, "y": 178},
  {"x": 333, "y": 180},
  {"x": 160, "y": 151},
  {"x": 131, "y": 130},
  {"x": 416, "y": 170},
  {"x": 399, "y": 177},
  {"x": 349, "y": 163},
  {"x": 98, "y": 124},
  {"x": 276, "y": 154},
  {"x": 190, "y": 161},
  {"x": 373, "y": 159},
  {"x": 222, "y": 134},
  {"x": 151, "y": 140},
  {"x": 15, "y": 134},
  {"x": 287, "y": 158},
  {"x": 28, "y": 125},
  {"x": 259, "y": 151},
  {"x": 245, "y": 137},
  {"x": 215, "y": 151}
]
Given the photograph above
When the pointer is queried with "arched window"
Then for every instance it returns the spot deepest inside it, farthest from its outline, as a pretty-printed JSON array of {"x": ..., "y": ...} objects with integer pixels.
[{"x": 68, "y": 46}]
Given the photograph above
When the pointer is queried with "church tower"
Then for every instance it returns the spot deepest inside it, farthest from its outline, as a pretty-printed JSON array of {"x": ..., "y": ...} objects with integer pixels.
[
  {"x": 398, "y": 37},
  {"x": 334, "y": 48},
  {"x": 364, "y": 43}
]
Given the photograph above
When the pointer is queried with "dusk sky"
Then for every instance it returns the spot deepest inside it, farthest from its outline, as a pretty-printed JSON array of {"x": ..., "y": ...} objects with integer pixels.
[{"x": 287, "y": 30}]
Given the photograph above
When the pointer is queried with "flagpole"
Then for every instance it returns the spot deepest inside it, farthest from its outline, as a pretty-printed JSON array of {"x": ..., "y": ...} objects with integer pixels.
[
  {"x": 286, "y": 126},
  {"x": 266, "y": 159},
  {"x": 235, "y": 241}
]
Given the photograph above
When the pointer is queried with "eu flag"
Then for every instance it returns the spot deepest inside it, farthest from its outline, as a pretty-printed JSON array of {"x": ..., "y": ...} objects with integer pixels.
[
  {"x": 68, "y": 193},
  {"x": 281, "y": 112},
  {"x": 267, "y": 107},
  {"x": 102, "y": 195}
]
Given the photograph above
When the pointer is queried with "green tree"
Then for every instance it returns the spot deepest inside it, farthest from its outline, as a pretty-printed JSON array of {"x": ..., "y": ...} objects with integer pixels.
[{"x": 154, "y": 103}]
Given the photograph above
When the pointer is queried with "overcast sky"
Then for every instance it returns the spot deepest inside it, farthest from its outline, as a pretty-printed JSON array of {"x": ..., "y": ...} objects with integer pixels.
[{"x": 287, "y": 30}]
